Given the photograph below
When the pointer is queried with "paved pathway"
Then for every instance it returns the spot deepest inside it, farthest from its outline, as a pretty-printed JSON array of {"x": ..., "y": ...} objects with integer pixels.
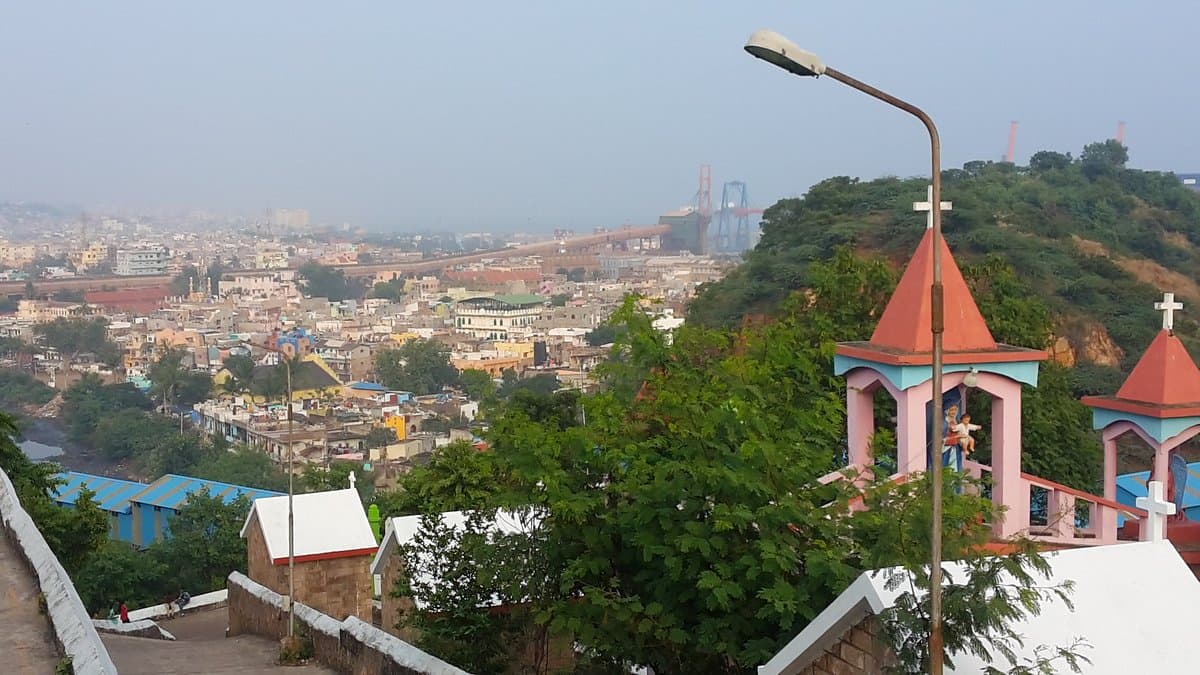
[
  {"x": 200, "y": 646},
  {"x": 28, "y": 644}
]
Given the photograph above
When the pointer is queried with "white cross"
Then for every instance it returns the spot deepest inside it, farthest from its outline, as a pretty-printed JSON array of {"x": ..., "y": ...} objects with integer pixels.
[
  {"x": 927, "y": 207},
  {"x": 352, "y": 480},
  {"x": 1168, "y": 307},
  {"x": 1156, "y": 507}
]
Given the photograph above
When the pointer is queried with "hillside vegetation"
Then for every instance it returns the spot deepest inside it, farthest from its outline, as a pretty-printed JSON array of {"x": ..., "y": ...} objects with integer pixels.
[{"x": 1099, "y": 242}]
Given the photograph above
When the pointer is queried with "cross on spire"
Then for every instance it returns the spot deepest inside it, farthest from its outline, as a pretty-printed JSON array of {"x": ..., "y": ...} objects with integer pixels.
[
  {"x": 1156, "y": 508},
  {"x": 353, "y": 479},
  {"x": 927, "y": 207},
  {"x": 1168, "y": 307}
]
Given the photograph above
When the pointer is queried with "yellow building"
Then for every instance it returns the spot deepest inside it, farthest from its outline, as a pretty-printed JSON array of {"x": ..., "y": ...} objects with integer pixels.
[{"x": 312, "y": 378}]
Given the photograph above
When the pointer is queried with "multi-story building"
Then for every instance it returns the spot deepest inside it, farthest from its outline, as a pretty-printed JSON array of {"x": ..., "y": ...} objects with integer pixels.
[
  {"x": 142, "y": 261},
  {"x": 498, "y": 317},
  {"x": 271, "y": 259},
  {"x": 90, "y": 257},
  {"x": 350, "y": 361}
]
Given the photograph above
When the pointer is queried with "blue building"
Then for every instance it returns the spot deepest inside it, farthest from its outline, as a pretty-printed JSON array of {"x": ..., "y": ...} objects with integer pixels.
[
  {"x": 141, "y": 513},
  {"x": 111, "y": 495}
]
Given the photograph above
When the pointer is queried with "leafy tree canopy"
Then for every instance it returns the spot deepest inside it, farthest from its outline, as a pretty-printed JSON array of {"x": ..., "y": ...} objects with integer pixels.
[
  {"x": 419, "y": 366},
  {"x": 323, "y": 281}
]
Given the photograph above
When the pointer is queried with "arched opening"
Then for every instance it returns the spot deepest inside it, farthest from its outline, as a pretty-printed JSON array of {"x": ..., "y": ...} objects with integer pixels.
[{"x": 883, "y": 438}]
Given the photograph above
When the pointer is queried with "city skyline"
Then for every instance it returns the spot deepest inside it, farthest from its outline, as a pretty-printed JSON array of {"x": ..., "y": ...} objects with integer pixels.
[{"x": 537, "y": 116}]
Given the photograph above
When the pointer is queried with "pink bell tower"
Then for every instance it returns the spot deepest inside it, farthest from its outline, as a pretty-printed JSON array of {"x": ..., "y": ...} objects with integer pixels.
[{"x": 898, "y": 358}]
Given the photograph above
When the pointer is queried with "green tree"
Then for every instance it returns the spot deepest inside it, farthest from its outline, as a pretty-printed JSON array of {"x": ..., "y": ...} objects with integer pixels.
[
  {"x": 240, "y": 378},
  {"x": 419, "y": 366},
  {"x": 601, "y": 335},
  {"x": 173, "y": 384},
  {"x": 242, "y": 465},
  {"x": 72, "y": 337},
  {"x": 560, "y": 299},
  {"x": 577, "y": 274},
  {"x": 478, "y": 384},
  {"x": 204, "y": 544},
  {"x": 323, "y": 281},
  {"x": 118, "y": 571},
  {"x": 379, "y": 437},
  {"x": 458, "y": 477}
]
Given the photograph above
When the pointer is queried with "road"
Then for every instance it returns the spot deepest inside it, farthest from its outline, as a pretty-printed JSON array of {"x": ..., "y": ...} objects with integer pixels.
[
  {"x": 28, "y": 644},
  {"x": 200, "y": 646}
]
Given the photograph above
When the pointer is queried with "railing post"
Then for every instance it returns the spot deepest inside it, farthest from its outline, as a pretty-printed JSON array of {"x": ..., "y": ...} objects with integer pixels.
[{"x": 1060, "y": 508}]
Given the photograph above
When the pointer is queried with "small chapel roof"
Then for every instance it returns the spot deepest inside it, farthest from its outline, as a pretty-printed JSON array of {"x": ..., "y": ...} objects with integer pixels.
[
  {"x": 329, "y": 524},
  {"x": 903, "y": 335},
  {"x": 1165, "y": 383},
  {"x": 1119, "y": 580}
]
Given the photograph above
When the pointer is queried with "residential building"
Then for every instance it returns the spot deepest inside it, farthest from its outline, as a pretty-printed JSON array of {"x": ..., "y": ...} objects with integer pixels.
[
  {"x": 142, "y": 261},
  {"x": 498, "y": 317}
]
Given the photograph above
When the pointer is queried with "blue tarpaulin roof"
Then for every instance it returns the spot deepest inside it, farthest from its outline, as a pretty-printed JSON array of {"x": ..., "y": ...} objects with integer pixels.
[
  {"x": 112, "y": 494},
  {"x": 1130, "y": 486},
  {"x": 172, "y": 490},
  {"x": 368, "y": 386}
]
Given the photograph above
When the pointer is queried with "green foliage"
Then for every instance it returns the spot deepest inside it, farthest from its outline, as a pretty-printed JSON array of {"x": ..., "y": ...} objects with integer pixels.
[
  {"x": 174, "y": 384},
  {"x": 458, "y": 477},
  {"x": 241, "y": 465},
  {"x": 419, "y": 366},
  {"x": 323, "y": 281},
  {"x": 389, "y": 290},
  {"x": 74, "y": 336},
  {"x": 89, "y": 401},
  {"x": 601, "y": 335},
  {"x": 19, "y": 389},
  {"x": 1032, "y": 218},
  {"x": 577, "y": 274},
  {"x": 560, "y": 299},
  {"x": 380, "y": 437},
  {"x": 203, "y": 547},
  {"x": 477, "y": 384},
  {"x": 488, "y": 568},
  {"x": 336, "y": 476},
  {"x": 205, "y": 544},
  {"x": 241, "y": 374},
  {"x": 542, "y": 384}
]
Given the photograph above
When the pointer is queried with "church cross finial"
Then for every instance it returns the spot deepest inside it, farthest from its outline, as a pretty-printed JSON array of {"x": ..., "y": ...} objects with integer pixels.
[
  {"x": 353, "y": 480},
  {"x": 927, "y": 207},
  {"x": 1168, "y": 306},
  {"x": 1156, "y": 508}
]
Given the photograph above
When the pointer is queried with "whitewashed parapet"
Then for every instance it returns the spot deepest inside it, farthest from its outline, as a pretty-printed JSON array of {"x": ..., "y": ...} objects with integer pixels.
[
  {"x": 353, "y": 630},
  {"x": 69, "y": 618}
]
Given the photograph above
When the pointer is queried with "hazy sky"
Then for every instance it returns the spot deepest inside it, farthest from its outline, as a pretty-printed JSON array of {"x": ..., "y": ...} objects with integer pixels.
[{"x": 479, "y": 115}]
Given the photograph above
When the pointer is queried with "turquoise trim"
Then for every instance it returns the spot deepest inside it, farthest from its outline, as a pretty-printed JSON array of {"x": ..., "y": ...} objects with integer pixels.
[
  {"x": 1160, "y": 430},
  {"x": 906, "y": 377}
]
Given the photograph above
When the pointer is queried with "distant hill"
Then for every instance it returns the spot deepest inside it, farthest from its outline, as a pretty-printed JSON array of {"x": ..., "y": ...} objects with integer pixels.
[{"x": 1098, "y": 241}]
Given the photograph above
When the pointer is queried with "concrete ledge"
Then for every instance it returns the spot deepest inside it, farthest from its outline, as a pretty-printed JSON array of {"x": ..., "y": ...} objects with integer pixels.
[
  {"x": 72, "y": 625},
  {"x": 203, "y": 601},
  {"x": 144, "y": 629},
  {"x": 350, "y": 646}
]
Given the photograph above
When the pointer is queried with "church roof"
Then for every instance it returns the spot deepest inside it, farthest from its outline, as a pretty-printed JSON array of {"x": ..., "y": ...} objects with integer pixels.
[
  {"x": 1120, "y": 580},
  {"x": 329, "y": 524},
  {"x": 904, "y": 325},
  {"x": 1165, "y": 382},
  {"x": 903, "y": 335}
]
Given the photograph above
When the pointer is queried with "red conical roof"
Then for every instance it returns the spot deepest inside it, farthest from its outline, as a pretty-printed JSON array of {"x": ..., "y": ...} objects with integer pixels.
[
  {"x": 1165, "y": 375},
  {"x": 905, "y": 323}
]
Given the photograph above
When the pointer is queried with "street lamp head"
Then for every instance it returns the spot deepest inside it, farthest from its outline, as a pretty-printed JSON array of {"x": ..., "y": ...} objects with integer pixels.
[{"x": 780, "y": 51}]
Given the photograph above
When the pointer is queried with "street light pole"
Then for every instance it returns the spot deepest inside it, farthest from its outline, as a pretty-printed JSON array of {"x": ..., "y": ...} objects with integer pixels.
[
  {"x": 777, "y": 50},
  {"x": 291, "y": 489}
]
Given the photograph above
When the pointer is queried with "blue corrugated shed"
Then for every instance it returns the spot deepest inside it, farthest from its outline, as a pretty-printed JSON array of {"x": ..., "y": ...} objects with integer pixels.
[
  {"x": 111, "y": 494},
  {"x": 1130, "y": 486},
  {"x": 172, "y": 490}
]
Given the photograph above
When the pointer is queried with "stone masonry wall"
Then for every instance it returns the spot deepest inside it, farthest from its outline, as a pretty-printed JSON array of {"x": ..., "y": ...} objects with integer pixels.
[
  {"x": 858, "y": 651},
  {"x": 351, "y": 646},
  {"x": 339, "y": 587}
]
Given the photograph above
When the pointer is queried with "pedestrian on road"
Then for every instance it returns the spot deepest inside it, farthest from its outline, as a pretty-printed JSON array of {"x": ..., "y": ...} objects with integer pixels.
[{"x": 124, "y": 611}]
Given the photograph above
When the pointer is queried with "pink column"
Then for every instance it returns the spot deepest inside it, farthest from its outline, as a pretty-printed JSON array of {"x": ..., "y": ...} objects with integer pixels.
[
  {"x": 910, "y": 429},
  {"x": 1008, "y": 488},
  {"x": 1106, "y": 518},
  {"x": 860, "y": 416}
]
